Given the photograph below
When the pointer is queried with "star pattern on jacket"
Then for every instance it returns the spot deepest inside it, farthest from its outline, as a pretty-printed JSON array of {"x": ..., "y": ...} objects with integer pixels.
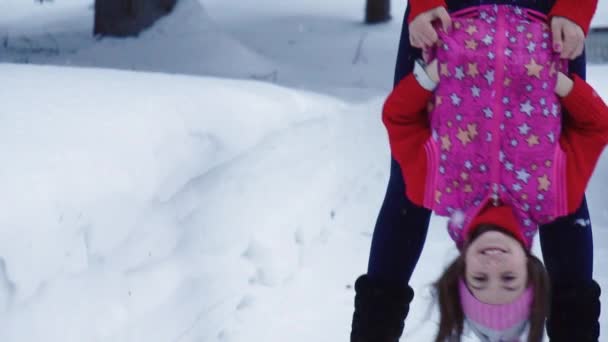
[
  {"x": 472, "y": 70},
  {"x": 489, "y": 76},
  {"x": 459, "y": 73},
  {"x": 475, "y": 91},
  {"x": 464, "y": 176},
  {"x": 526, "y": 107},
  {"x": 523, "y": 175},
  {"x": 471, "y": 44},
  {"x": 444, "y": 71},
  {"x": 472, "y": 129},
  {"x": 543, "y": 183},
  {"x": 446, "y": 143},
  {"x": 532, "y": 140},
  {"x": 463, "y": 136},
  {"x": 456, "y": 100},
  {"x": 488, "y": 40},
  {"x": 534, "y": 69},
  {"x": 488, "y": 113}
]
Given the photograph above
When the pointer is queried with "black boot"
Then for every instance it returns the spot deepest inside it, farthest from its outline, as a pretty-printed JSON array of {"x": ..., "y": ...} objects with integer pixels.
[
  {"x": 380, "y": 311},
  {"x": 575, "y": 313}
]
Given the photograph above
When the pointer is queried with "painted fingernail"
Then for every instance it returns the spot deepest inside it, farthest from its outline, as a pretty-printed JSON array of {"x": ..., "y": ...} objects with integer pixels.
[{"x": 557, "y": 47}]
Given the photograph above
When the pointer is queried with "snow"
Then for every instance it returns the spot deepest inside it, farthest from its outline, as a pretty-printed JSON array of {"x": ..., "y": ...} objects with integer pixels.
[
  {"x": 601, "y": 15},
  {"x": 202, "y": 182}
]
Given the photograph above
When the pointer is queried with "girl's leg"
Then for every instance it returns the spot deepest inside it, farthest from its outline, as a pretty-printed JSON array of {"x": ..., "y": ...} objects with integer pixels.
[
  {"x": 383, "y": 294},
  {"x": 567, "y": 247}
]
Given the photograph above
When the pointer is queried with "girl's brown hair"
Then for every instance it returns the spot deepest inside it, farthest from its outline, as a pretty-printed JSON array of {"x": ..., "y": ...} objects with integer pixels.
[{"x": 451, "y": 323}]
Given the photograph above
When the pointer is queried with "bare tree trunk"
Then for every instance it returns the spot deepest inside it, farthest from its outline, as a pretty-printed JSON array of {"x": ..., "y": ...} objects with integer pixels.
[
  {"x": 377, "y": 11},
  {"x": 128, "y": 17}
]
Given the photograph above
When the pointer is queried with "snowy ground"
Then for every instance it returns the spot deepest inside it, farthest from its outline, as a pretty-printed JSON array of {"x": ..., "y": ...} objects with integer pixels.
[{"x": 225, "y": 191}]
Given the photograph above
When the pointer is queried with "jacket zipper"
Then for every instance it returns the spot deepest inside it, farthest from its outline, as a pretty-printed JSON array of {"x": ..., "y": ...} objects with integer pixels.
[
  {"x": 560, "y": 178},
  {"x": 498, "y": 113},
  {"x": 431, "y": 184}
]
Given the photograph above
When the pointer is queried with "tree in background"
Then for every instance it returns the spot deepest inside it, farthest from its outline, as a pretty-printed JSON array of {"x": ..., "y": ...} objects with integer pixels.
[
  {"x": 128, "y": 17},
  {"x": 377, "y": 11}
]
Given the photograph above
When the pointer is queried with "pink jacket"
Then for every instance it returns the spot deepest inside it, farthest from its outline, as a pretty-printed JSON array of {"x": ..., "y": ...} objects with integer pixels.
[{"x": 495, "y": 98}]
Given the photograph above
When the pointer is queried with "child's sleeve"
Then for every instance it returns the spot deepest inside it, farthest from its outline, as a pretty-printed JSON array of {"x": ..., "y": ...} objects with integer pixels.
[
  {"x": 420, "y": 6},
  {"x": 406, "y": 120},
  {"x": 587, "y": 112},
  {"x": 579, "y": 11},
  {"x": 584, "y": 136}
]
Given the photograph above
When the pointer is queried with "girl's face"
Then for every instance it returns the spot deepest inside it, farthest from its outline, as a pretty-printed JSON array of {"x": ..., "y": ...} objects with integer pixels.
[{"x": 496, "y": 268}]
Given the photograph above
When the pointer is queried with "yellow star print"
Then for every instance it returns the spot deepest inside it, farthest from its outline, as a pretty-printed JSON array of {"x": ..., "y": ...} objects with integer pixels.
[
  {"x": 532, "y": 140},
  {"x": 437, "y": 196},
  {"x": 463, "y": 136},
  {"x": 534, "y": 69},
  {"x": 471, "y": 44},
  {"x": 507, "y": 82},
  {"x": 444, "y": 69},
  {"x": 472, "y": 29},
  {"x": 464, "y": 176},
  {"x": 473, "y": 72},
  {"x": 472, "y": 128},
  {"x": 446, "y": 144},
  {"x": 468, "y": 188},
  {"x": 543, "y": 183}
]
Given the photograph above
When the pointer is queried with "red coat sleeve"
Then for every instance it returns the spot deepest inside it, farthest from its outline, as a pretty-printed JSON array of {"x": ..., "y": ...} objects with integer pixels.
[
  {"x": 421, "y": 6},
  {"x": 583, "y": 138},
  {"x": 579, "y": 11},
  {"x": 406, "y": 120}
]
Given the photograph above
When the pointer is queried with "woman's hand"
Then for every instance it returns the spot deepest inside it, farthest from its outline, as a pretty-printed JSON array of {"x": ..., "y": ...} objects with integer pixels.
[
  {"x": 568, "y": 38},
  {"x": 422, "y": 32},
  {"x": 564, "y": 85}
]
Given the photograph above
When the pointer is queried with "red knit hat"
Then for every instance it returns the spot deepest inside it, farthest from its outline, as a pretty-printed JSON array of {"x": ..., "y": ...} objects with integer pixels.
[{"x": 501, "y": 216}]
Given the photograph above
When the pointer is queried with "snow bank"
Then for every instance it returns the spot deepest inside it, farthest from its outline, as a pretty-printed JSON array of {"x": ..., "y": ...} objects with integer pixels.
[{"x": 117, "y": 206}]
